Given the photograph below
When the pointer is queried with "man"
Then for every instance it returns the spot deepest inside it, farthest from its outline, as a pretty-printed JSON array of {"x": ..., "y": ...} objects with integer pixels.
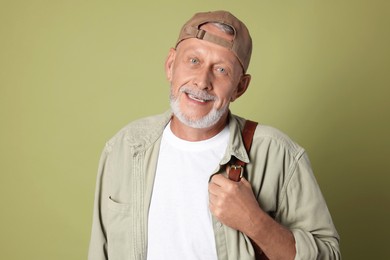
[{"x": 162, "y": 188}]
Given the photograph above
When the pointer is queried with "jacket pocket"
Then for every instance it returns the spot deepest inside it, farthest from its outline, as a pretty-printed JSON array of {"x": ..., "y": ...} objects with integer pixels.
[{"x": 119, "y": 230}]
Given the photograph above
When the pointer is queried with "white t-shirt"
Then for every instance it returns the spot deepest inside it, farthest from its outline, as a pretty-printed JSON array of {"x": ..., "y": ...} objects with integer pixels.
[{"x": 180, "y": 223}]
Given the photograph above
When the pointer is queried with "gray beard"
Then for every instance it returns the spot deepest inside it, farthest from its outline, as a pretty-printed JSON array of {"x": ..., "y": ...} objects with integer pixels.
[{"x": 207, "y": 121}]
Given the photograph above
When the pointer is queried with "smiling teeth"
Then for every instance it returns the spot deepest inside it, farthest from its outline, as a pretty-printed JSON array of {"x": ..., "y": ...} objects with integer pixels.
[{"x": 195, "y": 98}]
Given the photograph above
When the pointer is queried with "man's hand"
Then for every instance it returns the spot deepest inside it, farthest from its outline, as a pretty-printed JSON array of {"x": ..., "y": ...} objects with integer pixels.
[{"x": 233, "y": 203}]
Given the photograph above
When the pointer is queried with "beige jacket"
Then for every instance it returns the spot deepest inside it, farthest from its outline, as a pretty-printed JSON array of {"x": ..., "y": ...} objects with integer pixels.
[{"x": 278, "y": 170}]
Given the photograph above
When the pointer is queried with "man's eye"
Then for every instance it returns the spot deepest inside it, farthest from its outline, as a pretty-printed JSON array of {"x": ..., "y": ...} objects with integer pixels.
[
  {"x": 194, "y": 61},
  {"x": 221, "y": 70}
]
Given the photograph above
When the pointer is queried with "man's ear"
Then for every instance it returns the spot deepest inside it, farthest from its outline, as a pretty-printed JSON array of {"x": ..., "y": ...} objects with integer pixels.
[
  {"x": 242, "y": 86},
  {"x": 169, "y": 63}
]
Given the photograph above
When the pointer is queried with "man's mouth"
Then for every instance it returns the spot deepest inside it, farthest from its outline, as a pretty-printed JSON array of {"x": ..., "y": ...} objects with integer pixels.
[{"x": 196, "y": 98}]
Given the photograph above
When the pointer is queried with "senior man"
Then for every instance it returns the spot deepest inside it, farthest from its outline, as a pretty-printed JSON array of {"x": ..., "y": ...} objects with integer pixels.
[{"x": 164, "y": 190}]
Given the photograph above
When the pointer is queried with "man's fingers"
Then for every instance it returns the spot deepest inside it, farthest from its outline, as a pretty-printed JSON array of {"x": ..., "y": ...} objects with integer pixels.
[
  {"x": 214, "y": 188},
  {"x": 218, "y": 179}
]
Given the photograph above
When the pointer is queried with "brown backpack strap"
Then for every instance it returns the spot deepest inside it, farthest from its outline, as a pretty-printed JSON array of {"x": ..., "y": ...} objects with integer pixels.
[
  {"x": 235, "y": 170},
  {"x": 247, "y": 134}
]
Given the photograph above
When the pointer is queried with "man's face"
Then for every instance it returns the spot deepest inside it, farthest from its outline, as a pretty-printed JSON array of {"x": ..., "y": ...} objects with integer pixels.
[{"x": 204, "y": 78}]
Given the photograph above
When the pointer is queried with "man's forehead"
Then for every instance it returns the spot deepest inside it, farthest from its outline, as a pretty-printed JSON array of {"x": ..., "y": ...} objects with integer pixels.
[{"x": 200, "y": 48}]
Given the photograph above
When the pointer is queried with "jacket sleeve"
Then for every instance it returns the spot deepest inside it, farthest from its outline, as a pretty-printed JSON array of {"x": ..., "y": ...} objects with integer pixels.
[
  {"x": 98, "y": 241},
  {"x": 304, "y": 210}
]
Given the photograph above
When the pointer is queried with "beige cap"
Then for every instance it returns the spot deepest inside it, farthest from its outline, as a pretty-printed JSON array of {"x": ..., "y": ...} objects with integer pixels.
[{"x": 241, "y": 45}]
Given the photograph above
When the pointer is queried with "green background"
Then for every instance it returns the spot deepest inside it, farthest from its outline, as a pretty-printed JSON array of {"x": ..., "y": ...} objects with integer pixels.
[{"x": 72, "y": 73}]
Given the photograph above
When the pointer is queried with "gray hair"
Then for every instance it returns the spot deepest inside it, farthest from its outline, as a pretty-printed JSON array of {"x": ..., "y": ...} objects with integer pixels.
[{"x": 224, "y": 27}]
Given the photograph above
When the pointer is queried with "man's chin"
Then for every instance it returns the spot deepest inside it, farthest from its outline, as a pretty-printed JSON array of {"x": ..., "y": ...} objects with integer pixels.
[
  {"x": 194, "y": 119},
  {"x": 199, "y": 122}
]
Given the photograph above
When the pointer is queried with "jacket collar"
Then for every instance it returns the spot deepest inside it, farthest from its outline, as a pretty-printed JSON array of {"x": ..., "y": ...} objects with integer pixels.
[
  {"x": 147, "y": 131},
  {"x": 236, "y": 145}
]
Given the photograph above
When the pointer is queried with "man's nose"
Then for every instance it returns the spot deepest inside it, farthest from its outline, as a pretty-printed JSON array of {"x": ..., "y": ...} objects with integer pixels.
[{"x": 202, "y": 79}]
